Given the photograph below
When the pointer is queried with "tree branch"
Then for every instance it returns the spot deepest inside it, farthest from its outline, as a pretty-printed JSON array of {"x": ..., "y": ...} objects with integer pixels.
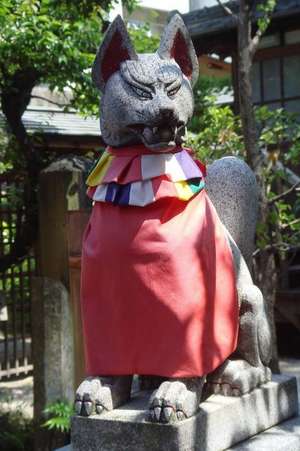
[
  {"x": 14, "y": 102},
  {"x": 226, "y": 9},
  {"x": 255, "y": 42},
  {"x": 260, "y": 31},
  {"x": 271, "y": 247},
  {"x": 62, "y": 105},
  {"x": 22, "y": 244},
  {"x": 284, "y": 194},
  {"x": 296, "y": 221}
]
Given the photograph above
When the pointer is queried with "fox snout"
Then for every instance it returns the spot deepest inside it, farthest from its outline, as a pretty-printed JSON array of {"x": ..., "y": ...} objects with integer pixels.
[{"x": 168, "y": 114}]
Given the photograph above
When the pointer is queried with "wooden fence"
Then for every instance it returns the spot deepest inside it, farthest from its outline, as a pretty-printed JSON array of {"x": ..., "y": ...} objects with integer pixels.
[{"x": 15, "y": 289}]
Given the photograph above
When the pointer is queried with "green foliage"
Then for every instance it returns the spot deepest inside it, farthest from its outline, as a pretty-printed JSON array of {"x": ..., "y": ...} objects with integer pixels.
[
  {"x": 55, "y": 43},
  {"x": 278, "y": 130},
  {"x": 219, "y": 134},
  {"x": 16, "y": 432},
  {"x": 279, "y": 136},
  {"x": 211, "y": 85},
  {"x": 5, "y": 162},
  {"x": 144, "y": 41},
  {"x": 216, "y": 132},
  {"x": 59, "y": 414},
  {"x": 205, "y": 94},
  {"x": 265, "y": 8}
]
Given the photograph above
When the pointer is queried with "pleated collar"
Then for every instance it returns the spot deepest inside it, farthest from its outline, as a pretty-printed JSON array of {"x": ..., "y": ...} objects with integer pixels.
[{"x": 136, "y": 176}]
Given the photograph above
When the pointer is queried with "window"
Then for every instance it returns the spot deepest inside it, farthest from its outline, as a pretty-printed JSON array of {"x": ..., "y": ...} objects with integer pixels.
[
  {"x": 291, "y": 73},
  {"x": 276, "y": 75},
  {"x": 271, "y": 79},
  {"x": 293, "y": 106},
  {"x": 271, "y": 40},
  {"x": 292, "y": 37},
  {"x": 256, "y": 83}
]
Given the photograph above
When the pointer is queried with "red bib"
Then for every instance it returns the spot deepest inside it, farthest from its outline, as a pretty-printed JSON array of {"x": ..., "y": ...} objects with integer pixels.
[{"x": 158, "y": 289}]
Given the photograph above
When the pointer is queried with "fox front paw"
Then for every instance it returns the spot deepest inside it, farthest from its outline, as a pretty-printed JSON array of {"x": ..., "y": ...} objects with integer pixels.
[
  {"x": 175, "y": 400},
  {"x": 96, "y": 395}
]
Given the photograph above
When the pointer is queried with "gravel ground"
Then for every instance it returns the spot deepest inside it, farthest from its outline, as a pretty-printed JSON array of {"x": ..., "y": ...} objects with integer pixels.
[
  {"x": 290, "y": 366},
  {"x": 17, "y": 395}
]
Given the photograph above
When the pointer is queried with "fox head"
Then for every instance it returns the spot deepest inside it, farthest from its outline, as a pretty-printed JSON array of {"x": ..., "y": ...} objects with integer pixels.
[{"x": 146, "y": 98}]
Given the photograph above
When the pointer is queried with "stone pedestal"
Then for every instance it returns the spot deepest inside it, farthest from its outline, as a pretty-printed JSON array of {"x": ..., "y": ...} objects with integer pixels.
[
  {"x": 52, "y": 344},
  {"x": 221, "y": 423}
]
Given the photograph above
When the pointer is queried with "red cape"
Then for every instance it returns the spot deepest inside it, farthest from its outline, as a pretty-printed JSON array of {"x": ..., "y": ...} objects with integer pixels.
[{"x": 158, "y": 289}]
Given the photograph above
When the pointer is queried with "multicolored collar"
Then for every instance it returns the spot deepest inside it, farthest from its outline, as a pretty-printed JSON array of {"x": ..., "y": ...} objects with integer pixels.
[{"x": 137, "y": 176}]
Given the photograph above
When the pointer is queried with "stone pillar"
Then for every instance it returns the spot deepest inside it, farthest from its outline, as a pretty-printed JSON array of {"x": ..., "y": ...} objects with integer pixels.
[
  {"x": 52, "y": 344},
  {"x": 56, "y": 345}
]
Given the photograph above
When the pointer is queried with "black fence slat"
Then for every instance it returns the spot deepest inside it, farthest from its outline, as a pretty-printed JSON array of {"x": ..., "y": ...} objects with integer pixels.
[
  {"x": 6, "y": 353},
  {"x": 23, "y": 302},
  {"x": 14, "y": 318}
]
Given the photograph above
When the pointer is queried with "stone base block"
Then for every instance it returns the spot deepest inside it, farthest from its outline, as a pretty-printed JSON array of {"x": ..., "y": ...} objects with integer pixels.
[
  {"x": 283, "y": 437},
  {"x": 221, "y": 423}
]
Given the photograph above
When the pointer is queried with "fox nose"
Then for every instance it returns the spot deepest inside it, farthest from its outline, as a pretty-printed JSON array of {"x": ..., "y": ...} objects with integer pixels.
[{"x": 167, "y": 112}]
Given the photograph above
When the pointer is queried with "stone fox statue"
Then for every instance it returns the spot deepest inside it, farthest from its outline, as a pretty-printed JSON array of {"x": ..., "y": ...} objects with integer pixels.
[{"x": 166, "y": 293}]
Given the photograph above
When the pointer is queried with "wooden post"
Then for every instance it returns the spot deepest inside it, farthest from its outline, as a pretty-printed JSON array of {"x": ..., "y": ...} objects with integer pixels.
[
  {"x": 61, "y": 190},
  {"x": 63, "y": 212}
]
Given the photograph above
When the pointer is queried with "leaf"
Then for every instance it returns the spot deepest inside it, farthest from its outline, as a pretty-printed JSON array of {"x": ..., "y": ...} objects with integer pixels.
[{"x": 60, "y": 414}]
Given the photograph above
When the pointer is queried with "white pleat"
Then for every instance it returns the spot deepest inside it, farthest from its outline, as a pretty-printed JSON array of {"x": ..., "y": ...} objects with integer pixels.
[
  {"x": 141, "y": 193},
  {"x": 173, "y": 170},
  {"x": 156, "y": 165},
  {"x": 153, "y": 165},
  {"x": 100, "y": 193}
]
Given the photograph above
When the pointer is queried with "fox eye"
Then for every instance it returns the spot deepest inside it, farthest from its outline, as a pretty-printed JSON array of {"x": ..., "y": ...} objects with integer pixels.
[
  {"x": 141, "y": 92},
  {"x": 174, "y": 91}
]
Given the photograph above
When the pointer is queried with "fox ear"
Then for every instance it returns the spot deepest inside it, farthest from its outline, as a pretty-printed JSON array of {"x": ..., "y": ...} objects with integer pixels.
[
  {"x": 115, "y": 48},
  {"x": 176, "y": 43}
]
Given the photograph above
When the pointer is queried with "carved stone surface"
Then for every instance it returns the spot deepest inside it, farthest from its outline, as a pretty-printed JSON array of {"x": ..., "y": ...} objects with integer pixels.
[
  {"x": 232, "y": 188},
  {"x": 221, "y": 422},
  {"x": 147, "y": 99}
]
